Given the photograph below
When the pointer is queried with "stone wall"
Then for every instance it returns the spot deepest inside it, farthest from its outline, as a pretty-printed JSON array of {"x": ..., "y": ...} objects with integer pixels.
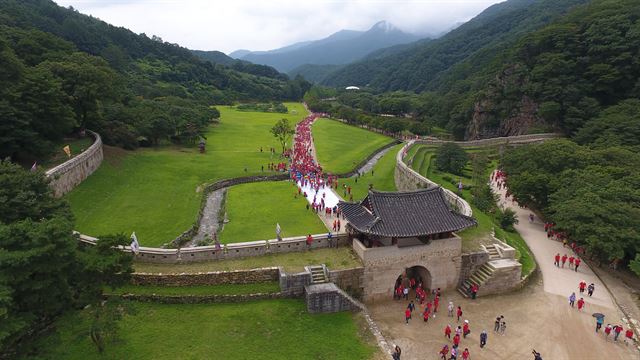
[
  {"x": 408, "y": 179},
  {"x": 441, "y": 258},
  {"x": 209, "y": 278},
  {"x": 349, "y": 280},
  {"x": 328, "y": 298},
  {"x": 506, "y": 277},
  {"x": 470, "y": 263},
  {"x": 230, "y": 251},
  {"x": 72, "y": 172},
  {"x": 201, "y": 299},
  {"x": 293, "y": 285},
  {"x": 506, "y": 140}
]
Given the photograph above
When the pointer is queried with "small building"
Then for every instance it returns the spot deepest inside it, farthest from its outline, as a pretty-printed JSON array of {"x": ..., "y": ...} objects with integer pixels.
[
  {"x": 409, "y": 234},
  {"x": 352, "y": 88}
]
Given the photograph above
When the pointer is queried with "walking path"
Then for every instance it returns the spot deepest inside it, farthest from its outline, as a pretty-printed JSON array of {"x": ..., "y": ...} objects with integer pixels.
[
  {"x": 560, "y": 281},
  {"x": 209, "y": 221}
]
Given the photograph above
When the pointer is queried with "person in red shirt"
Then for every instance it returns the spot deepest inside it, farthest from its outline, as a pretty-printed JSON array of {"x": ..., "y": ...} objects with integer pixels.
[
  {"x": 582, "y": 286},
  {"x": 444, "y": 352},
  {"x": 557, "y": 260},
  {"x": 425, "y": 315},
  {"x": 580, "y": 304},
  {"x": 465, "y": 329},
  {"x": 465, "y": 354},
  {"x": 571, "y": 262},
  {"x": 459, "y": 313},
  {"x": 309, "y": 241},
  {"x": 617, "y": 330},
  {"x": 447, "y": 331},
  {"x": 407, "y": 315},
  {"x": 564, "y": 259},
  {"x": 456, "y": 340},
  {"x": 436, "y": 302},
  {"x": 607, "y": 331},
  {"x": 628, "y": 336},
  {"x": 474, "y": 291},
  {"x": 577, "y": 262}
]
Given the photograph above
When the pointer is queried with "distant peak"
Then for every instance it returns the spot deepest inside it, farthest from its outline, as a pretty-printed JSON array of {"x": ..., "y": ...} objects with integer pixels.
[{"x": 384, "y": 26}]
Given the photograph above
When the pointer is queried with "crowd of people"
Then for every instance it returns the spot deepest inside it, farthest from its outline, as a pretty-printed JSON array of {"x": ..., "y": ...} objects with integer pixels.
[{"x": 312, "y": 182}]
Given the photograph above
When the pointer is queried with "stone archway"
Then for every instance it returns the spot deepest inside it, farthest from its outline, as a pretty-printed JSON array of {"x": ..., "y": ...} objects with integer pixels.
[{"x": 421, "y": 274}]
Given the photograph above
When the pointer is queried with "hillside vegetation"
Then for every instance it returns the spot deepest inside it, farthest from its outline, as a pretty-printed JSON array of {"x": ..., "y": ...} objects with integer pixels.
[{"x": 61, "y": 71}]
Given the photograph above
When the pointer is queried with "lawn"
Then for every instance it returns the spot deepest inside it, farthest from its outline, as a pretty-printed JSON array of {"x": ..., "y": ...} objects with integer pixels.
[
  {"x": 223, "y": 289},
  {"x": 156, "y": 191},
  {"x": 335, "y": 259},
  {"x": 383, "y": 177},
  {"x": 254, "y": 210},
  {"x": 423, "y": 162},
  {"x": 341, "y": 147},
  {"x": 267, "y": 329}
]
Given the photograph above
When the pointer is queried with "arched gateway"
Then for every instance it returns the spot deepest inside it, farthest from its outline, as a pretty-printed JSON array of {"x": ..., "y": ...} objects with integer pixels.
[{"x": 405, "y": 231}]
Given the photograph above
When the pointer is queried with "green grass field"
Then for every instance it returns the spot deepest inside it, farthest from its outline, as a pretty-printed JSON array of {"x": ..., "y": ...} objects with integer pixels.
[
  {"x": 335, "y": 259},
  {"x": 382, "y": 179},
  {"x": 269, "y": 329},
  {"x": 223, "y": 289},
  {"x": 254, "y": 209},
  {"x": 155, "y": 192},
  {"x": 421, "y": 158},
  {"x": 341, "y": 147}
]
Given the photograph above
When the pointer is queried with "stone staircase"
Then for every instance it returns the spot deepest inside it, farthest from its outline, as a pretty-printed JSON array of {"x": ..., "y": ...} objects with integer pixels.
[
  {"x": 479, "y": 277},
  {"x": 493, "y": 252},
  {"x": 318, "y": 274}
]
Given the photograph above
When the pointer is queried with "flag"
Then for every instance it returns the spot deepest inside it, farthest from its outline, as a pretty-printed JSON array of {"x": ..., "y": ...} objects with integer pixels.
[
  {"x": 34, "y": 167},
  {"x": 135, "y": 246},
  {"x": 67, "y": 150},
  {"x": 278, "y": 231}
]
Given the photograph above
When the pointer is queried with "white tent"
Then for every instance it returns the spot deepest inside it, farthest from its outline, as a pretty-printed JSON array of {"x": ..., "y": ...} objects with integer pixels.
[{"x": 352, "y": 88}]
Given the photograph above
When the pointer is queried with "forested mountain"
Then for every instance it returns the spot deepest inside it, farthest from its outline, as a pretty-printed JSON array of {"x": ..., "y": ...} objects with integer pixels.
[
  {"x": 218, "y": 57},
  {"x": 340, "y": 48},
  {"x": 314, "y": 73},
  {"x": 61, "y": 70},
  {"x": 429, "y": 64}
]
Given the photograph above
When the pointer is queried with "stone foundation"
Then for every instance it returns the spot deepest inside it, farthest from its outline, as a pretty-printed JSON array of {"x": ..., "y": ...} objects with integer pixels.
[
  {"x": 210, "y": 278},
  {"x": 506, "y": 277},
  {"x": 440, "y": 258},
  {"x": 327, "y": 298}
]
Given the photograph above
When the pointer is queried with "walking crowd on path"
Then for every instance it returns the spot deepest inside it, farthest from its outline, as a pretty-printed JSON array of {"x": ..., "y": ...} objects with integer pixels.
[{"x": 311, "y": 182}]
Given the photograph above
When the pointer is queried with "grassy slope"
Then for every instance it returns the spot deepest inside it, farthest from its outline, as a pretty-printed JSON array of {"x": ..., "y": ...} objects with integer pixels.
[
  {"x": 254, "y": 209},
  {"x": 383, "y": 176},
  {"x": 153, "y": 191},
  {"x": 223, "y": 289},
  {"x": 341, "y": 147},
  {"x": 340, "y": 258},
  {"x": 270, "y": 329},
  {"x": 485, "y": 221}
]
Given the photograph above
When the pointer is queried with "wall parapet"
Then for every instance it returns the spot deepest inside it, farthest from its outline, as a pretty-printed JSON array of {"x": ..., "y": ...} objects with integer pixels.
[
  {"x": 408, "y": 179},
  {"x": 230, "y": 251},
  {"x": 66, "y": 176},
  {"x": 505, "y": 140}
]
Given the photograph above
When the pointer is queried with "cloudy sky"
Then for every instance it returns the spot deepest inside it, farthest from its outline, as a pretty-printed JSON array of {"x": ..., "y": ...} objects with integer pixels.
[{"x": 228, "y": 25}]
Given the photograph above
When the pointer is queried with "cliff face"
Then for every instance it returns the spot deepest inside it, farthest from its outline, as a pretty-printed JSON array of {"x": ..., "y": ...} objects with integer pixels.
[{"x": 504, "y": 109}]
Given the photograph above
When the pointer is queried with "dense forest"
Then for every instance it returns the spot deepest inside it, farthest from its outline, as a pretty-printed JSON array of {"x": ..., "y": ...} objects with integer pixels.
[
  {"x": 555, "y": 78},
  {"x": 61, "y": 71}
]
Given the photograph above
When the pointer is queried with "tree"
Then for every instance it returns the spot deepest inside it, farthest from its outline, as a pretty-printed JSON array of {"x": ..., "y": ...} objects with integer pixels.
[
  {"x": 635, "y": 265},
  {"x": 507, "y": 219},
  {"x": 283, "y": 131},
  {"x": 450, "y": 157},
  {"x": 43, "y": 272}
]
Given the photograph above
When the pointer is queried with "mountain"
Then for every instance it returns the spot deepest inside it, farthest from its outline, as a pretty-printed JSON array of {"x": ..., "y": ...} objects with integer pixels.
[
  {"x": 244, "y": 66},
  {"x": 342, "y": 47},
  {"x": 427, "y": 65},
  {"x": 314, "y": 73},
  {"x": 61, "y": 71},
  {"x": 239, "y": 53},
  {"x": 216, "y": 57}
]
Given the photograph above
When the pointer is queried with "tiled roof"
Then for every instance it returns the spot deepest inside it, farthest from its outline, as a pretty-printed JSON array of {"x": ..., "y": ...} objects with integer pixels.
[{"x": 404, "y": 214}]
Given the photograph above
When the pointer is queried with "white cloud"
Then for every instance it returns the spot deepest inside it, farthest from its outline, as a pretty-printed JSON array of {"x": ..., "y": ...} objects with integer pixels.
[{"x": 269, "y": 24}]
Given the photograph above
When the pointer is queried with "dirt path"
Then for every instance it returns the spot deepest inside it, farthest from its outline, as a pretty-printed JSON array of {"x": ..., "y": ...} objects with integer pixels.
[
  {"x": 557, "y": 281},
  {"x": 535, "y": 319}
]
